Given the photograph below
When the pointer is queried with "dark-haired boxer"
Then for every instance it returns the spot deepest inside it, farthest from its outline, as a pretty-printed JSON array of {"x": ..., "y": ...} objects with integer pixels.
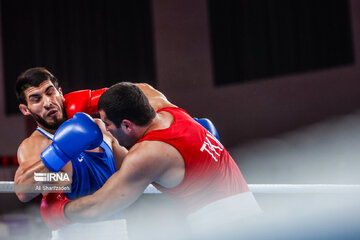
[
  {"x": 169, "y": 150},
  {"x": 41, "y": 97}
]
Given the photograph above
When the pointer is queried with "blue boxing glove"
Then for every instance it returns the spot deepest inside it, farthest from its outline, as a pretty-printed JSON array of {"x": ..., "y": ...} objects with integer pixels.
[
  {"x": 206, "y": 123},
  {"x": 73, "y": 137}
]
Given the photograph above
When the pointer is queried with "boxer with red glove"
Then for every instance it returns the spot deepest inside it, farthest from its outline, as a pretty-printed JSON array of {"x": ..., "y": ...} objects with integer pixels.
[{"x": 82, "y": 101}]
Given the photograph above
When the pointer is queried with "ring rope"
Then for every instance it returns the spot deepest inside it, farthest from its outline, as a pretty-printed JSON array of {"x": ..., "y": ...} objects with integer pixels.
[{"x": 8, "y": 187}]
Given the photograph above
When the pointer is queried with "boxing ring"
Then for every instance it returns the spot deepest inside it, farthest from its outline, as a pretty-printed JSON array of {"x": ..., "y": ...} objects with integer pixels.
[
  {"x": 288, "y": 209},
  {"x": 9, "y": 187}
]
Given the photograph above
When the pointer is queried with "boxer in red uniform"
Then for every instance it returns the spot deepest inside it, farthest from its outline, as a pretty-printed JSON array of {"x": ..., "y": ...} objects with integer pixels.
[
  {"x": 168, "y": 149},
  {"x": 80, "y": 101}
]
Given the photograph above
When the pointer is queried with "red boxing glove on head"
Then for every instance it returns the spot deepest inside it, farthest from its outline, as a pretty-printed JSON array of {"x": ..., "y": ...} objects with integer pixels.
[
  {"x": 52, "y": 210},
  {"x": 82, "y": 101}
]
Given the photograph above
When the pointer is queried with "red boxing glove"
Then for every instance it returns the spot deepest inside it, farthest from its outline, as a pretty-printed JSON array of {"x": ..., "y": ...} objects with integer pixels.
[
  {"x": 52, "y": 210},
  {"x": 82, "y": 101}
]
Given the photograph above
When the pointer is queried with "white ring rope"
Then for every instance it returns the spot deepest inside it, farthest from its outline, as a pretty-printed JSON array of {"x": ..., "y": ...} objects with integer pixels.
[
  {"x": 8, "y": 187},
  {"x": 292, "y": 188},
  {"x": 304, "y": 188}
]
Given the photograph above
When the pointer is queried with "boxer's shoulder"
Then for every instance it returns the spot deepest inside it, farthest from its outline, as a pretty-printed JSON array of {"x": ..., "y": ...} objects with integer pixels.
[
  {"x": 37, "y": 138},
  {"x": 32, "y": 146}
]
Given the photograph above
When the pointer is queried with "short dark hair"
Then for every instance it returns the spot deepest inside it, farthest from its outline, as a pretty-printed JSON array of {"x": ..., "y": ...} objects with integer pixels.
[
  {"x": 126, "y": 101},
  {"x": 33, "y": 77}
]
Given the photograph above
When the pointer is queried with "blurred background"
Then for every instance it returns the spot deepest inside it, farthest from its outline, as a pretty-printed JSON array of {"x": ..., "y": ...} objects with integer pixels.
[{"x": 279, "y": 79}]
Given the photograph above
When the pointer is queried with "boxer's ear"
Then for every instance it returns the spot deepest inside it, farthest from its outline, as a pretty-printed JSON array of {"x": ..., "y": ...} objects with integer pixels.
[
  {"x": 24, "y": 109},
  {"x": 126, "y": 126}
]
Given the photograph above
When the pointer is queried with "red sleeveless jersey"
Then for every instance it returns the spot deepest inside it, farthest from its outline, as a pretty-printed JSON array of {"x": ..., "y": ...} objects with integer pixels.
[{"x": 210, "y": 172}]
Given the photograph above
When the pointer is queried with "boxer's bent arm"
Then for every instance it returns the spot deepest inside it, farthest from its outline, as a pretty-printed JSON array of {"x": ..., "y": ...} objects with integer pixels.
[
  {"x": 29, "y": 162},
  {"x": 26, "y": 176},
  {"x": 121, "y": 189},
  {"x": 157, "y": 99}
]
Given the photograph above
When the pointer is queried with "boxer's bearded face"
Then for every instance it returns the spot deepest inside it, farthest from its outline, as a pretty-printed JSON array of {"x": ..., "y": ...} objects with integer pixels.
[
  {"x": 52, "y": 125},
  {"x": 45, "y": 105}
]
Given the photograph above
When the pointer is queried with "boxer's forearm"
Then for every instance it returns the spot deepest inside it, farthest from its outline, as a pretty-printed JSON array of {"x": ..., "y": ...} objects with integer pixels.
[
  {"x": 82, "y": 209},
  {"x": 25, "y": 176},
  {"x": 113, "y": 196},
  {"x": 94, "y": 208},
  {"x": 90, "y": 208},
  {"x": 26, "y": 197},
  {"x": 156, "y": 99},
  {"x": 121, "y": 190}
]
